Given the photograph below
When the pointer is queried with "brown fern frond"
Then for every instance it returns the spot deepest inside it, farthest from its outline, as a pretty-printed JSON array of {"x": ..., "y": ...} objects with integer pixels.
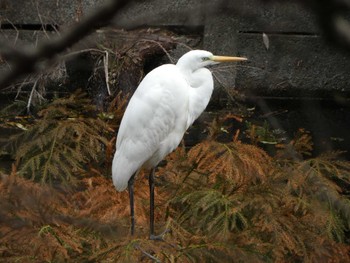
[
  {"x": 302, "y": 142},
  {"x": 26, "y": 210},
  {"x": 291, "y": 208},
  {"x": 237, "y": 162},
  {"x": 332, "y": 166},
  {"x": 115, "y": 110},
  {"x": 300, "y": 146},
  {"x": 220, "y": 124}
]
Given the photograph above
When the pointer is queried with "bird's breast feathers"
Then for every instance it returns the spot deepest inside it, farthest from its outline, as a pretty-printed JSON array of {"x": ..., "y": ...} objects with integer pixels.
[{"x": 156, "y": 116}]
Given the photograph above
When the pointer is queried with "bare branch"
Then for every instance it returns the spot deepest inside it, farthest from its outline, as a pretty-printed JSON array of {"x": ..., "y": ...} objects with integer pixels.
[
  {"x": 26, "y": 61},
  {"x": 31, "y": 96},
  {"x": 105, "y": 64}
]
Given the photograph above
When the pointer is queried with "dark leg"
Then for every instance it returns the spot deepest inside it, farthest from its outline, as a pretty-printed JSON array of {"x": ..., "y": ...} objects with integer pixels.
[
  {"x": 151, "y": 205},
  {"x": 131, "y": 197},
  {"x": 151, "y": 209}
]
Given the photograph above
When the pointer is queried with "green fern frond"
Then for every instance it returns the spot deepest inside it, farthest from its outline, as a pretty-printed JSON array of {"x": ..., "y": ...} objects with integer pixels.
[
  {"x": 290, "y": 207},
  {"x": 217, "y": 214},
  {"x": 62, "y": 141},
  {"x": 332, "y": 166},
  {"x": 335, "y": 228}
]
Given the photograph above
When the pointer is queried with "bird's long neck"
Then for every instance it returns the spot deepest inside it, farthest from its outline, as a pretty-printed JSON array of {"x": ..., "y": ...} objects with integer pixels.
[{"x": 201, "y": 88}]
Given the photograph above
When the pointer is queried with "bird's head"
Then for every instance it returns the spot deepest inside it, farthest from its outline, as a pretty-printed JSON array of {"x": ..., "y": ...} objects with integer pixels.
[{"x": 196, "y": 59}]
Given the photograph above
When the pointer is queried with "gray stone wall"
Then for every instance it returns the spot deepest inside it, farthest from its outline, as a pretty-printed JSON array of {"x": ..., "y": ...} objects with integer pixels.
[{"x": 296, "y": 62}]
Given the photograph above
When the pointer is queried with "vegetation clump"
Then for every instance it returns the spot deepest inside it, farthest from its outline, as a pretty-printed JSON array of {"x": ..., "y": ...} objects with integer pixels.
[{"x": 220, "y": 200}]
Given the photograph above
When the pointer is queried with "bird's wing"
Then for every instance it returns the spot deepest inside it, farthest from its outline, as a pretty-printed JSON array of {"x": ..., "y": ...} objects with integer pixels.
[{"x": 157, "y": 107}]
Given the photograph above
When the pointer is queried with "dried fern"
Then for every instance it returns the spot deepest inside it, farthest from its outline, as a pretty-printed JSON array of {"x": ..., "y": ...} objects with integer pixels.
[
  {"x": 332, "y": 166},
  {"x": 282, "y": 210},
  {"x": 237, "y": 162},
  {"x": 221, "y": 201},
  {"x": 219, "y": 214}
]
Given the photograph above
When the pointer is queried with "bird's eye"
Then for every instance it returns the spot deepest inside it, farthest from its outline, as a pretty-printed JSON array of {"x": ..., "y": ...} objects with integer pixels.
[{"x": 205, "y": 58}]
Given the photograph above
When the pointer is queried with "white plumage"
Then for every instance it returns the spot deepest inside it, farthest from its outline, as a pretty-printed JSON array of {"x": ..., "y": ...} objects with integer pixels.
[{"x": 167, "y": 101}]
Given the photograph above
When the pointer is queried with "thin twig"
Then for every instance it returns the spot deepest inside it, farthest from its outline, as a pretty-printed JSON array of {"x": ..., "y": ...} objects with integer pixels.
[
  {"x": 82, "y": 51},
  {"x": 147, "y": 254},
  {"x": 26, "y": 61},
  {"x": 164, "y": 50},
  {"x": 31, "y": 96},
  {"x": 19, "y": 89},
  {"x": 105, "y": 63},
  {"x": 15, "y": 28},
  {"x": 41, "y": 21}
]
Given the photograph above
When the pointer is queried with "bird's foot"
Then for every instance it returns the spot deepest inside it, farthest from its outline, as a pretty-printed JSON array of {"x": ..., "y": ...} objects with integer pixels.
[{"x": 159, "y": 237}]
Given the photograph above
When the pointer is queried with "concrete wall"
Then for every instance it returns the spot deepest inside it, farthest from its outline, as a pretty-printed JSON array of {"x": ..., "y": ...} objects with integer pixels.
[{"x": 297, "y": 62}]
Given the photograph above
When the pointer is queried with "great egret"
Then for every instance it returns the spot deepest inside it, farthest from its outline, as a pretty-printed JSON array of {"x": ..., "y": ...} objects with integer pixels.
[{"x": 167, "y": 101}]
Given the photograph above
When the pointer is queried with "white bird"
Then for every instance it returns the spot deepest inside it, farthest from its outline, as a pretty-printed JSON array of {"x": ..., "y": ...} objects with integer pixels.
[{"x": 167, "y": 101}]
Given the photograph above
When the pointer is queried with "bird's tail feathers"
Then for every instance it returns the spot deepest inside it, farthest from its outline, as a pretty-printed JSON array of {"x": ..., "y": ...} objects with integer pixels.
[{"x": 122, "y": 171}]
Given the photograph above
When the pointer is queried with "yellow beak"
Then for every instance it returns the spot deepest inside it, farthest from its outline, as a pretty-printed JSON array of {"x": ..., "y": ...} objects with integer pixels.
[{"x": 227, "y": 59}]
